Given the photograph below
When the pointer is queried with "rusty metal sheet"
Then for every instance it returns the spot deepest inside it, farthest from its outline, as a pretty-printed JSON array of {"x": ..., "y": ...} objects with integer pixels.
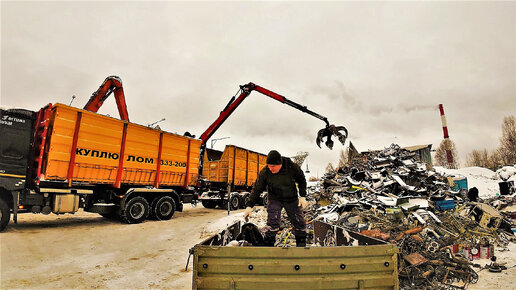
[{"x": 415, "y": 259}]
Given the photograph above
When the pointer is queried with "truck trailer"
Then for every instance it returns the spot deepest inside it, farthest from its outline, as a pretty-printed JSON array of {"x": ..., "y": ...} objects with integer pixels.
[
  {"x": 62, "y": 158},
  {"x": 231, "y": 175}
]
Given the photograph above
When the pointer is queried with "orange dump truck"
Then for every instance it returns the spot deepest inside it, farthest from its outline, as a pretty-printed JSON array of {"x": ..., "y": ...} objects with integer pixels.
[
  {"x": 232, "y": 171},
  {"x": 79, "y": 159}
]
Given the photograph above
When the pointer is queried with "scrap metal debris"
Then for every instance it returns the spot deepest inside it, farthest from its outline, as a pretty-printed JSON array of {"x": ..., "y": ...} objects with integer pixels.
[{"x": 388, "y": 196}]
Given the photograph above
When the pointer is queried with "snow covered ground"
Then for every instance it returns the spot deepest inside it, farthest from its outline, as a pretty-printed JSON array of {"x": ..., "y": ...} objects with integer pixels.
[{"x": 485, "y": 180}]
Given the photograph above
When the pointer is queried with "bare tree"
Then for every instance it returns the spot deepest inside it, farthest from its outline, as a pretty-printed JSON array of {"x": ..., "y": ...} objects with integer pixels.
[
  {"x": 494, "y": 160},
  {"x": 343, "y": 158},
  {"x": 504, "y": 155},
  {"x": 330, "y": 168},
  {"x": 478, "y": 158},
  {"x": 441, "y": 158},
  {"x": 299, "y": 158},
  {"x": 507, "y": 149},
  {"x": 483, "y": 158}
]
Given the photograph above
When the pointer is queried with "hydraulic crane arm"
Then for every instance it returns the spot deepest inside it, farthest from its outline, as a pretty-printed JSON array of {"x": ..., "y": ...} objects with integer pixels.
[
  {"x": 245, "y": 90},
  {"x": 289, "y": 102},
  {"x": 112, "y": 84}
]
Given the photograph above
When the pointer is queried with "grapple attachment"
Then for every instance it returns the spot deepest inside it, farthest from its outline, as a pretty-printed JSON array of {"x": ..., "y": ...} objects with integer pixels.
[{"x": 338, "y": 131}]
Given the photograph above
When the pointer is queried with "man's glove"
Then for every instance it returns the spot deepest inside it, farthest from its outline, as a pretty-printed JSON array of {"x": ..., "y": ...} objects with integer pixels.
[
  {"x": 247, "y": 213},
  {"x": 302, "y": 203}
]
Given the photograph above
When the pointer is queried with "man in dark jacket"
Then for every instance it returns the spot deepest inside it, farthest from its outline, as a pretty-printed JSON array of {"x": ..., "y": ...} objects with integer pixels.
[{"x": 279, "y": 178}]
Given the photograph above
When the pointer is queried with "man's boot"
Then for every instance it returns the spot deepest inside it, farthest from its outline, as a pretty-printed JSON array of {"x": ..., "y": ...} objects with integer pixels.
[
  {"x": 269, "y": 241},
  {"x": 301, "y": 241}
]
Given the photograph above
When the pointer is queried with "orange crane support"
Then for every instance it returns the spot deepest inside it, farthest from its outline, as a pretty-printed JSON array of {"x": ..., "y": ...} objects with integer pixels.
[{"x": 111, "y": 84}]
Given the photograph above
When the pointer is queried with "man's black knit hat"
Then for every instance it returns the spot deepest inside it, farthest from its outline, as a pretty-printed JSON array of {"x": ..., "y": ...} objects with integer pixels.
[{"x": 274, "y": 158}]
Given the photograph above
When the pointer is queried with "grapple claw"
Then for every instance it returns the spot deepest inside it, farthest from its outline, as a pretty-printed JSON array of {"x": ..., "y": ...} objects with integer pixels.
[
  {"x": 329, "y": 131},
  {"x": 329, "y": 143}
]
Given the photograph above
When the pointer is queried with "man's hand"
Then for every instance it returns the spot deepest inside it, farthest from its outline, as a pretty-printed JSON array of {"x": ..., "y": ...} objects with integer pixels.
[
  {"x": 302, "y": 203},
  {"x": 247, "y": 213}
]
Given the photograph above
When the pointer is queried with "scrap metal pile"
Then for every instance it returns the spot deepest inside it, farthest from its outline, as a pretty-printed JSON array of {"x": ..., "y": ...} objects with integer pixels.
[{"x": 390, "y": 196}]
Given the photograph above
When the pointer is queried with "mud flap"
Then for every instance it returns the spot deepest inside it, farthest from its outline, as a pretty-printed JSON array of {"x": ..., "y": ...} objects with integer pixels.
[{"x": 16, "y": 203}]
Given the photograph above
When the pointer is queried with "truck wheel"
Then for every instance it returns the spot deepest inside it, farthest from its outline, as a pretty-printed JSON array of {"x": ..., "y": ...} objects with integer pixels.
[
  {"x": 136, "y": 210},
  {"x": 165, "y": 208},
  {"x": 245, "y": 200},
  {"x": 265, "y": 199},
  {"x": 5, "y": 214},
  {"x": 234, "y": 201},
  {"x": 209, "y": 204},
  {"x": 152, "y": 206}
]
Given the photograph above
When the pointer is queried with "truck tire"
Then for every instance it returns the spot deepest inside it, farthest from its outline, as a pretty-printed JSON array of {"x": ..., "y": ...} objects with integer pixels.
[
  {"x": 5, "y": 214},
  {"x": 245, "y": 199},
  {"x": 152, "y": 206},
  {"x": 209, "y": 203},
  {"x": 164, "y": 208},
  {"x": 234, "y": 202},
  {"x": 136, "y": 210}
]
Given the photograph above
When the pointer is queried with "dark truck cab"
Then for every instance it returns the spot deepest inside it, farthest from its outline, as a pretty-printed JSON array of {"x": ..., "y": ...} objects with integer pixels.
[{"x": 16, "y": 131}]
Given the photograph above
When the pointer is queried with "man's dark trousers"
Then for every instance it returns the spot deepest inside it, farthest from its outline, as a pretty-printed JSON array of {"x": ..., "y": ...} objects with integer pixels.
[{"x": 295, "y": 215}]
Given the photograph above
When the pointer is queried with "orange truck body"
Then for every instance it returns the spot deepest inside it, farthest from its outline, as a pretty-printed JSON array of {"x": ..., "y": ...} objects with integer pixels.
[
  {"x": 235, "y": 165},
  {"x": 82, "y": 147}
]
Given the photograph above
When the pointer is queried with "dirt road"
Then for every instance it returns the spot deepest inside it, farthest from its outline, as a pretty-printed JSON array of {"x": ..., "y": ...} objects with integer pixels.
[{"x": 87, "y": 251}]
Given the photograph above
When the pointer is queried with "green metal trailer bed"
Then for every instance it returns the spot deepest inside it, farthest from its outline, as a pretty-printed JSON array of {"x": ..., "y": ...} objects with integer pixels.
[{"x": 340, "y": 267}]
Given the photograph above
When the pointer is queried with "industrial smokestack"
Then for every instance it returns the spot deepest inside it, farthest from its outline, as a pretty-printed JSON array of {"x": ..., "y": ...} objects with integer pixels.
[
  {"x": 443, "y": 121},
  {"x": 449, "y": 155}
]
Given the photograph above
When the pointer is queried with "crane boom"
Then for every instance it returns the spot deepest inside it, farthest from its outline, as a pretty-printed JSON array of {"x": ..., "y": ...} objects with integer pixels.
[
  {"x": 246, "y": 91},
  {"x": 111, "y": 84}
]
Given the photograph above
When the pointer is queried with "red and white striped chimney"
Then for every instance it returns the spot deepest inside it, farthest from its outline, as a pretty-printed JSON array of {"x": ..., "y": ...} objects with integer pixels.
[{"x": 449, "y": 155}]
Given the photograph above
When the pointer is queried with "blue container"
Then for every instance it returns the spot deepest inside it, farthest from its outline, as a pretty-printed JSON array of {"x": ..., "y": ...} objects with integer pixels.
[
  {"x": 445, "y": 204},
  {"x": 460, "y": 183}
]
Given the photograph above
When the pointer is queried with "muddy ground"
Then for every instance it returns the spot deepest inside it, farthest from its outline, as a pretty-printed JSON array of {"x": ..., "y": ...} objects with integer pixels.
[{"x": 87, "y": 251}]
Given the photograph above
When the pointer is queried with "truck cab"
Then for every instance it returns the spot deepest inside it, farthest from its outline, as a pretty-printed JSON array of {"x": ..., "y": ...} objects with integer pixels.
[{"x": 16, "y": 129}]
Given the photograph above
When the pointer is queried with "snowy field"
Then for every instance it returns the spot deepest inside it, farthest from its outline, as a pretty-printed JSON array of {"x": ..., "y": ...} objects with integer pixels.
[{"x": 485, "y": 180}]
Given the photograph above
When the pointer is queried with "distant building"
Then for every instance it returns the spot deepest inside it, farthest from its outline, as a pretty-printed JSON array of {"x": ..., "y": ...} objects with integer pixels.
[{"x": 421, "y": 152}]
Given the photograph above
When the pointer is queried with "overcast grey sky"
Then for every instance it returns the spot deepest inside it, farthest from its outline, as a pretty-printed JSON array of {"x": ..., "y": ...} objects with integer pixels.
[{"x": 378, "y": 68}]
